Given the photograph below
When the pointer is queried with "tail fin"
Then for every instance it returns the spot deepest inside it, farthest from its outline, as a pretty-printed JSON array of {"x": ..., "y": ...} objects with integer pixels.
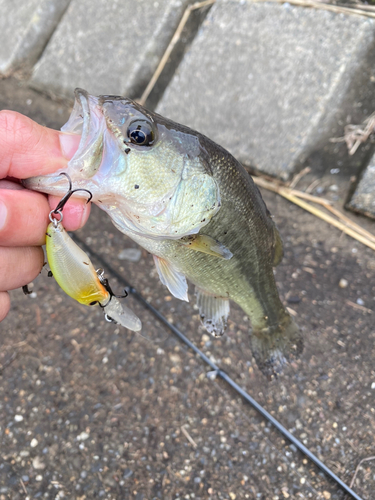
[{"x": 274, "y": 346}]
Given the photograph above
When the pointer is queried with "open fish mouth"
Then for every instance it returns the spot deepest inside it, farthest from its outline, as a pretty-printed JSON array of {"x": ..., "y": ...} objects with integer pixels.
[
  {"x": 87, "y": 121},
  {"x": 79, "y": 120}
]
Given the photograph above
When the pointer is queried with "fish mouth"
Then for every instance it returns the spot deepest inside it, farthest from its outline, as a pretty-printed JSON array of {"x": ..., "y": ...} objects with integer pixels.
[
  {"x": 80, "y": 118},
  {"x": 87, "y": 121}
]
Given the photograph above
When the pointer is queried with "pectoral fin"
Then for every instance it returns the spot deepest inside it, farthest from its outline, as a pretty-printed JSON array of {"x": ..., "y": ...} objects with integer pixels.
[
  {"x": 174, "y": 280},
  {"x": 206, "y": 244},
  {"x": 214, "y": 312}
]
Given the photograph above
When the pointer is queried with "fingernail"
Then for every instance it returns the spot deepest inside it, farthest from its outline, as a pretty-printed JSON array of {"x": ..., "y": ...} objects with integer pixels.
[
  {"x": 69, "y": 144},
  {"x": 3, "y": 214}
]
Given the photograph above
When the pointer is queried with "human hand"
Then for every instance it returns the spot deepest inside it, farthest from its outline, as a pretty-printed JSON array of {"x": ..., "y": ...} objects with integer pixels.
[{"x": 28, "y": 149}]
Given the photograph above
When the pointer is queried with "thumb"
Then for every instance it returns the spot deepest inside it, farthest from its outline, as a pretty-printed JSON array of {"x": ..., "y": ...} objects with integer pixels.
[{"x": 28, "y": 149}]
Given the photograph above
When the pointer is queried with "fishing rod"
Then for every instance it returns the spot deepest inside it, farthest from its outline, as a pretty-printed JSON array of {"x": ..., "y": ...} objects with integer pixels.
[{"x": 220, "y": 373}]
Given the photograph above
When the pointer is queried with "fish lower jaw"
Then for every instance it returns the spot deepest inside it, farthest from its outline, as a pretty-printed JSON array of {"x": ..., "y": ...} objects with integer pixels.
[{"x": 53, "y": 185}]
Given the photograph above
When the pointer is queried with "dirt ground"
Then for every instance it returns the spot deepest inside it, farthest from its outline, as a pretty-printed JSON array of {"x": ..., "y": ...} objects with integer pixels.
[{"x": 89, "y": 410}]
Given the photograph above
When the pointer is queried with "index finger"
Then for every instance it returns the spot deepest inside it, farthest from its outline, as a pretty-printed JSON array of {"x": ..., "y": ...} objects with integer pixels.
[{"x": 28, "y": 149}]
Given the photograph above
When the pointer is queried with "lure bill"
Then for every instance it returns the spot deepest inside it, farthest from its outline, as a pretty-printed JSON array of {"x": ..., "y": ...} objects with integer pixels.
[{"x": 76, "y": 275}]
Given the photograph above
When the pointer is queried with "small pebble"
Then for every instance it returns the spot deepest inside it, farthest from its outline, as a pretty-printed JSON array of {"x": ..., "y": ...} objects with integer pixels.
[
  {"x": 130, "y": 254},
  {"x": 38, "y": 464},
  {"x": 373, "y": 385},
  {"x": 360, "y": 302},
  {"x": 18, "y": 418},
  {"x": 212, "y": 375},
  {"x": 127, "y": 473},
  {"x": 327, "y": 495},
  {"x": 34, "y": 443},
  {"x": 293, "y": 300},
  {"x": 343, "y": 283},
  {"x": 83, "y": 436},
  {"x": 39, "y": 477},
  {"x": 25, "y": 479},
  {"x": 334, "y": 188}
]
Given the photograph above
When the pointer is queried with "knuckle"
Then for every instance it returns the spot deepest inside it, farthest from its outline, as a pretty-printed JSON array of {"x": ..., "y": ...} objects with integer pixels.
[
  {"x": 10, "y": 122},
  {"x": 15, "y": 128}
]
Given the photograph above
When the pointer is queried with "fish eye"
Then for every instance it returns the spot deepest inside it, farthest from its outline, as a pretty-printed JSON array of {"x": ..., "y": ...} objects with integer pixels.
[{"x": 141, "y": 133}]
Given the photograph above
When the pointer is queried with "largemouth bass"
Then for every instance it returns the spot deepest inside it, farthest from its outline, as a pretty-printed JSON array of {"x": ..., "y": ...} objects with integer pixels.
[{"x": 193, "y": 206}]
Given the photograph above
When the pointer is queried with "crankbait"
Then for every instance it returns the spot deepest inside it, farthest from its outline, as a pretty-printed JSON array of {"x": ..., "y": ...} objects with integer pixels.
[{"x": 76, "y": 275}]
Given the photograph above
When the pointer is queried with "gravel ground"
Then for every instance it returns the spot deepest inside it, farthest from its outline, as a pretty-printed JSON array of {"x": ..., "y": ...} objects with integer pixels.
[{"x": 89, "y": 410}]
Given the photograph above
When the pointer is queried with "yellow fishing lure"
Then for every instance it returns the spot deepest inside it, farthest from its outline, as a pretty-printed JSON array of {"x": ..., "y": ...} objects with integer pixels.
[{"x": 76, "y": 275}]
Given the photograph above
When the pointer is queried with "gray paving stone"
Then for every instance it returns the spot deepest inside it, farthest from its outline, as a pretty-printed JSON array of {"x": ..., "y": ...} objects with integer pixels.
[
  {"x": 108, "y": 47},
  {"x": 363, "y": 199},
  {"x": 25, "y": 28},
  {"x": 268, "y": 80}
]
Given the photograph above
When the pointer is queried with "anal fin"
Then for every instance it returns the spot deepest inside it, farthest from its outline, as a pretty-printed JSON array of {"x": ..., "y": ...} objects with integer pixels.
[
  {"x": 172, "y": 279},
  {"x": 206, "y": 244},
  {"x": 214, "y": 312}
]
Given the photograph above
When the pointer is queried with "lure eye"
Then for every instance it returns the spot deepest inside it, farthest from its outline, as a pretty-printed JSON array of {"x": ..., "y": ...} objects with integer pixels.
[{"x": 141, "y": 133}]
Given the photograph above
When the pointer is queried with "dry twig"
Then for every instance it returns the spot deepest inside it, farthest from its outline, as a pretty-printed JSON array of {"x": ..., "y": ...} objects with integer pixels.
[
  {"x": 293, "y": 183},
  {"x": 357, "y": 469},
  {"x": 23, "y": 486},
  {"x": 355, "y": 135},
  {"x": 345, "y": 224},
  {"x": 338, "y": 9},
  {"x": 8, "y": 362},
  {"x": 172, "y": 43},
  {"x": 313, "y": 185},
  {"x": 189, "y": 438},
  {"x": 359, "y": 307}
]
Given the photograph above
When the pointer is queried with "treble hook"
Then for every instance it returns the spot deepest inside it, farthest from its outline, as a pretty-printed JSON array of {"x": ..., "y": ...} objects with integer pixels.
[
  {"x": 105, "y": 283},
  {"x": 66, "y": 197}
]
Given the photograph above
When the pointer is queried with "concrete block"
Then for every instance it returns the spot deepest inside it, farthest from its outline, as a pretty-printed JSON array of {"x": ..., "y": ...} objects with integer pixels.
[
  {"x": 108, "y": 47},
  {"x": 267, "y": 80},
  {"x": 25, "y": 28},
  {"x": 363, "y": 199}
]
